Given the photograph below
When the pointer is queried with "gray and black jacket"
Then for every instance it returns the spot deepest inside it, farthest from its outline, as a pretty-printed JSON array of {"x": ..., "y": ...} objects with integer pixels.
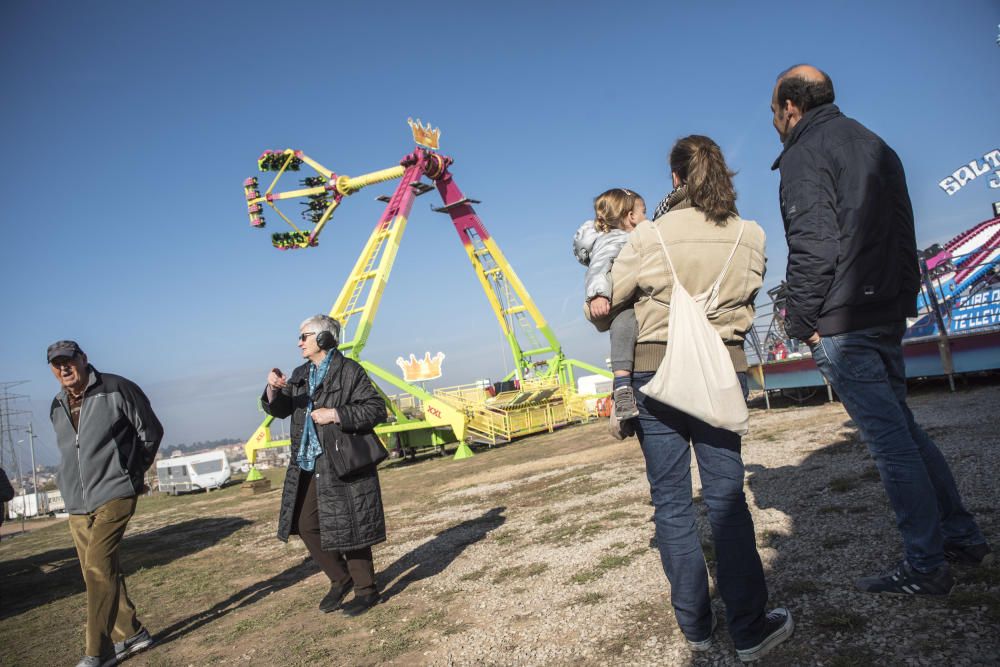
[{"x": 117, "y": 441}]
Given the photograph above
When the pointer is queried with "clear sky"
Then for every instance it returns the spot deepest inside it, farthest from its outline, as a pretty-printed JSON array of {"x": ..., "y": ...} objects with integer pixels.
[{"x": 128, "y": 128}]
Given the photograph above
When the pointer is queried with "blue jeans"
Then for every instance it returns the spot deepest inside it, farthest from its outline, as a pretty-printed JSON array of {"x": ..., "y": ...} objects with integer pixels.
[
  {"x": 666, "y": 436},
  {"x": 865, "y": 368}
]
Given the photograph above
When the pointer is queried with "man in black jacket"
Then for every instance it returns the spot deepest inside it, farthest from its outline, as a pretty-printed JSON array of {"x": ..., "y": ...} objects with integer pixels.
[
  {"x": 852, "y": 281},
  {"x": 108, "y": 436}
]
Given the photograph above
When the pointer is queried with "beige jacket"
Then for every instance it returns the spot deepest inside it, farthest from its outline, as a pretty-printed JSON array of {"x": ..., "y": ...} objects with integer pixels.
[{"x": 699, "y": 249}]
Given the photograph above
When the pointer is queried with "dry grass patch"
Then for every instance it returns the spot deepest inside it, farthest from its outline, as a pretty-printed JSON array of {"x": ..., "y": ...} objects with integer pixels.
[
  {"x": 838, "y": 620},
  {"x": 519, "y": 572},
  {"x": 606, "y": 564},
  {"x": 590, "y": 598},
  {"x": 843, "y": 484},
  {"x": 475, "y": 575},
  {"x": 844, "y": 509}
]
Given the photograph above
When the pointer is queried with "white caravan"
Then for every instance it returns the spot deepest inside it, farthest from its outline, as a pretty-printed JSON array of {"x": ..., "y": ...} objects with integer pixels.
[{"x": 208, "y": 470}]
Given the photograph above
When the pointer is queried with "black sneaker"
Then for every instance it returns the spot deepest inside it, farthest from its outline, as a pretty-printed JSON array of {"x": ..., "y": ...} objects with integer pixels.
[
  {"x": 975, "y": 554},
  {"x": 704, "y": 644},
  {"x": 778, "y": 626},
  {"x": 625, "y": 407},
  {"x": 904, "y": 580},
  {"x": 331, "y": 601},
  {"x": 360, "y": 604}
]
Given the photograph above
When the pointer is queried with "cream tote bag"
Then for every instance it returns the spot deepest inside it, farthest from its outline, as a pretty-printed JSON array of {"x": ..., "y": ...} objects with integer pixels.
[{"x": 696, "y": 375}]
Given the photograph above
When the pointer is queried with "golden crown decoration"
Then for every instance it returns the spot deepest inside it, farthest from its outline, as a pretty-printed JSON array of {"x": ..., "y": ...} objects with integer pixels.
[
  {"x": 427, "y": 137},
  {"x": 418, "y": 370}
]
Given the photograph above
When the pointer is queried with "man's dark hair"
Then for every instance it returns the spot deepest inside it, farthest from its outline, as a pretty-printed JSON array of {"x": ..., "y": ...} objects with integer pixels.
[{"x": 804, "y": 93}]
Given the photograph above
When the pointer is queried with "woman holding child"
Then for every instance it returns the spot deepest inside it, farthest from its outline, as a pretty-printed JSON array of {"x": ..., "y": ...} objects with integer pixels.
[{"x": 701, "y": 229}]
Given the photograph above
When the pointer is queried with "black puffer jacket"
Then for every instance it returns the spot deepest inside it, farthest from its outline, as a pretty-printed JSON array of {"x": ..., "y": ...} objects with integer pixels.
[
  {"x": 350, "y": 510},
  {"x": 852, "y": 254}
]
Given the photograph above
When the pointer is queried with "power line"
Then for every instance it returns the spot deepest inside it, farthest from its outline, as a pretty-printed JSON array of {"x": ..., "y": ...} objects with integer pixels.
[{"x": 11, "y": 418}]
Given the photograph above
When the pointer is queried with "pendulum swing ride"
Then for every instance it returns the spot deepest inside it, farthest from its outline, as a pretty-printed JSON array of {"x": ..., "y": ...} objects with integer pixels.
[{"x": 543, "y": 397}]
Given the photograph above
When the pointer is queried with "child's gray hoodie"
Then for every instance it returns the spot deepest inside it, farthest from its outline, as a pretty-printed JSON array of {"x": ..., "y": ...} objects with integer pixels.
[{"x": 597, "y": 251}]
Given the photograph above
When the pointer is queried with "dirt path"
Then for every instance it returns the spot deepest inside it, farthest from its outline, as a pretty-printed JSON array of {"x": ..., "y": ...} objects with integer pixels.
[{"x": 12, "y": 527}]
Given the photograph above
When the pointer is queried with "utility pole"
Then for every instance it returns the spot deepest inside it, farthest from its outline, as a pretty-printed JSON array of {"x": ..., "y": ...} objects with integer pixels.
[
  {"x": 24, "y": 489},
  {"x": 34, "y": 468}
]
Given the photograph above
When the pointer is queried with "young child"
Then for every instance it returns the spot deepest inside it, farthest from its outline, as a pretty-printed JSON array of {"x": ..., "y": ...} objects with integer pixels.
[{"x": 596, "y": 244}]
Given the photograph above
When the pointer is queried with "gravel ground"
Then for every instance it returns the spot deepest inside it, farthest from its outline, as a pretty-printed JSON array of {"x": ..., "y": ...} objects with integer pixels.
[{"x": 552, "y": 564}]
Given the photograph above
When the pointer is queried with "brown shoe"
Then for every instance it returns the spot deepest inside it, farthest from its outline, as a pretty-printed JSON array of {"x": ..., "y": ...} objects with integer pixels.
[{"x": 360, "y": 604}]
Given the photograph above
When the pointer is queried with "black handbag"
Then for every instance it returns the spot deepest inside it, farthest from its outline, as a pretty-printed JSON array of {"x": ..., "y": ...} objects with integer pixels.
[{"x": 353, "y": 452}]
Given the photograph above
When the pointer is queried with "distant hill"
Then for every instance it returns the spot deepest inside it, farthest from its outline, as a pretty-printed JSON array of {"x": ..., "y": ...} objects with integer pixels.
[{"x": 200, "y": 446}]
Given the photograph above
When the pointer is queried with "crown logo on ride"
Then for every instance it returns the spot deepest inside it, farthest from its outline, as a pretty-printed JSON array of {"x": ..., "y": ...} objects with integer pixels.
[
  {"x": 418, "y": 370},
  {"x": 427, "y": 137}
]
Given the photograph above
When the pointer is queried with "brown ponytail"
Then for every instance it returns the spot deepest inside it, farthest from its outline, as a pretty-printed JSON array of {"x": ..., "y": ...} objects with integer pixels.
[{"x": 698, "y": 162}]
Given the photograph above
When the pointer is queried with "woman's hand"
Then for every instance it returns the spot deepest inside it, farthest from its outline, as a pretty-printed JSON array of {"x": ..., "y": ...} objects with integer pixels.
[
  {"x": 276, "y": 379},
  {"x": 323, "y": 416},
  {"x": 599, "y": 306}
]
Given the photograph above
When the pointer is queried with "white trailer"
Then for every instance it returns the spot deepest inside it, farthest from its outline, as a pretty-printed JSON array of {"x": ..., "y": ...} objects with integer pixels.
[
  {"x": 207, "y": 470},
  {"x": 32, "y": 504},
  {"x": 56, "y": 502}
]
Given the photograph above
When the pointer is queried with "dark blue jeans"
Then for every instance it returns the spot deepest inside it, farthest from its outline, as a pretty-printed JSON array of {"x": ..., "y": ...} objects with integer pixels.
[
  {"x": 666, "y": 436},
  {"x": 865, "y": 368}
]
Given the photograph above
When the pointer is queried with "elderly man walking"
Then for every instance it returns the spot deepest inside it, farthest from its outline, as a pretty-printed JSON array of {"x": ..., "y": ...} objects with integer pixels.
[
  {"x": 852, "y": 281},
  {"x": 107, "y": 436}
]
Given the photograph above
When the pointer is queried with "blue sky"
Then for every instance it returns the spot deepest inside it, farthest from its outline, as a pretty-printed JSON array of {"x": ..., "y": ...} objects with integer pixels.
[{"x": 129, "y": 127}]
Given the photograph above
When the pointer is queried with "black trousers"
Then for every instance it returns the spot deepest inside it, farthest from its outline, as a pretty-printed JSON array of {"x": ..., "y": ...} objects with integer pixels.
[{"x": 340, "y": 567}]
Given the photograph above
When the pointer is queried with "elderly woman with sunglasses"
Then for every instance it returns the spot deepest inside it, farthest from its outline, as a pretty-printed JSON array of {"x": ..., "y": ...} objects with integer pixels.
[{"x": 338, "y": 519}]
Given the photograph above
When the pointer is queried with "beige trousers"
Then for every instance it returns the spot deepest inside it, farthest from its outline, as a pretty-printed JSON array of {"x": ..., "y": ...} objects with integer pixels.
[{"x": 110, "y": 614}]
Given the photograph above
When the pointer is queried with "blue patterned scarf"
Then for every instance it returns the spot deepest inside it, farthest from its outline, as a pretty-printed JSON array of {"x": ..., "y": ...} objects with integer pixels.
[{"x": 310, "y": 448}]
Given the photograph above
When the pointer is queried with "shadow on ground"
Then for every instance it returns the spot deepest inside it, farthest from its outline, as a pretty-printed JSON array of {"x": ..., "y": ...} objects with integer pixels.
[
  {"x": 248, "y": 596},
  {"x": 26, "y": 583},
  {"x": 433, "y": 556}
]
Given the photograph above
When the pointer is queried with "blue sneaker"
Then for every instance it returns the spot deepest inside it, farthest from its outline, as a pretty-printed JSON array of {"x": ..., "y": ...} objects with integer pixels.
[{"x": 904, "y": 580}]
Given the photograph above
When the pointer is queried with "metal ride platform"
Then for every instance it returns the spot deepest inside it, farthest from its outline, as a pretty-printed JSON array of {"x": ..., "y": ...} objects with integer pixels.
[{"x": 956, "y": 331}]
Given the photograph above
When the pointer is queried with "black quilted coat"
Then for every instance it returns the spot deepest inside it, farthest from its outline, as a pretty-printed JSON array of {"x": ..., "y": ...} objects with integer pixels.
[{"x": 350, "y": 510}]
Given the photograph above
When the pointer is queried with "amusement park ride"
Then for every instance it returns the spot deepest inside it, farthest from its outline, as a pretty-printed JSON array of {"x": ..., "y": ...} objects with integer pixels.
[{"x": 544, "y": 397}]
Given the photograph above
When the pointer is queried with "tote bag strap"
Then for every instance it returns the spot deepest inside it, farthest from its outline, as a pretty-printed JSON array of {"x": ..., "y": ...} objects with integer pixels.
[
  {"x": 666, "y": 254},
  {"x": 713, "y": 291}
]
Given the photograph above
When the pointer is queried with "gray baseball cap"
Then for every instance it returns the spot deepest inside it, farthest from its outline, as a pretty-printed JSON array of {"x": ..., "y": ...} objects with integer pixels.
[{"x": 62, "y": 348}]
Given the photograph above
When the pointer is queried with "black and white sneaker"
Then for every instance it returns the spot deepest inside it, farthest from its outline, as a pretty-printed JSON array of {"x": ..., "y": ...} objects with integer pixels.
[
  {"x": 625, "y": 407},
  {"x": 704, "y": 644},
  {"x": 973, "y": 554},
  {"x": 904, "y": 580},
  {"x": 778, "y": 626},
  {"x": 140, "y": 641}
]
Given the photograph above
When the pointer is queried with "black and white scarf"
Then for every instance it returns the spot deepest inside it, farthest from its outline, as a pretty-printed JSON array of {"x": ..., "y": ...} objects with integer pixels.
[{"x": 676, "y": 196}]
